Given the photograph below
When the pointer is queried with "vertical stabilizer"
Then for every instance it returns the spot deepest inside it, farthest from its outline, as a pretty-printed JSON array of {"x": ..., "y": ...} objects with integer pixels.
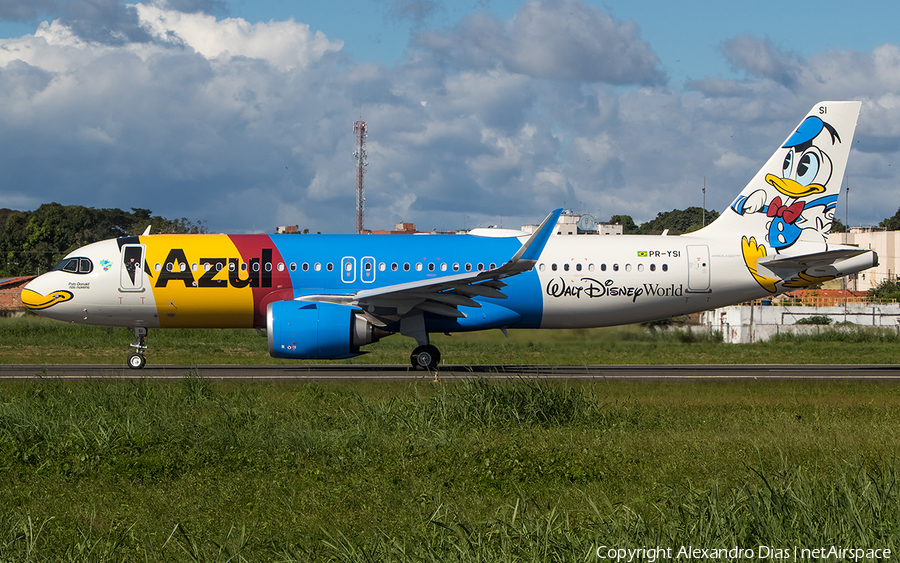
[{"x": 788, "y": 206}]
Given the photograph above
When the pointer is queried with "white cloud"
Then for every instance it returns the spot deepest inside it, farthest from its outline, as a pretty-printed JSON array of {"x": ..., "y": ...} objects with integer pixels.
[
  {"x": 285, "y": 45},
  {"x": 492, "y": 121}
]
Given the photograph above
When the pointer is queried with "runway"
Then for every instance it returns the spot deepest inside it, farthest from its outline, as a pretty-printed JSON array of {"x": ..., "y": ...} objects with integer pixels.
[{"x": 344, "y": 372}]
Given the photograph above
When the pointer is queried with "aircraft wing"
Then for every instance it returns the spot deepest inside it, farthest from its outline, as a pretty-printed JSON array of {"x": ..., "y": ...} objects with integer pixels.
[{"x": 442, "y": 295}]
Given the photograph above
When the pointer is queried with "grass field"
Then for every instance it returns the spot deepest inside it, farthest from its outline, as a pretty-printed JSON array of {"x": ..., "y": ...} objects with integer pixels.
[
  {"x": 471, "y": 471},
  {"x": 36, "y": 340},
  {"x": 474, "y": 471}
]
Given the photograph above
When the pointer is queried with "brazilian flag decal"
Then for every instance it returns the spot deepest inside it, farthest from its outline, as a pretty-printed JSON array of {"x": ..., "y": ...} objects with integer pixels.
[{"x": 642, "y": 253}]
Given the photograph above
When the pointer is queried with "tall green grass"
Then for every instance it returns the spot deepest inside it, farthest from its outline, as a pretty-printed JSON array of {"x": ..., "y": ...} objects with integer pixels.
[{"x": 197, "y": 470}]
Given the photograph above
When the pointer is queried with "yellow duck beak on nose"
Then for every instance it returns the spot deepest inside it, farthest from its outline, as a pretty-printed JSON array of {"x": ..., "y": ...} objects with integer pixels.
[
  {"x": 35, "y": 301},
  {"x": 793, "y": 188}
]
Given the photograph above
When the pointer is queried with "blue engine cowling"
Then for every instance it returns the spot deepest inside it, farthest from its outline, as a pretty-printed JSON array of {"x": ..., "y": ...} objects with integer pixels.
[{"x": 317, "y": 331}]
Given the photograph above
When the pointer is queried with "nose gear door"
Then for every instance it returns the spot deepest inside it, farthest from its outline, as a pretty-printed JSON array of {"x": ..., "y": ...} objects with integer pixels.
[{"x": 131, "y": 276}]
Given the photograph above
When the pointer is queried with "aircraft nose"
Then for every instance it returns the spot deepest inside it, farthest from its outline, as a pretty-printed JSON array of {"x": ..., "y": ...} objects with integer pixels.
[{"x": 34, "y": 297}]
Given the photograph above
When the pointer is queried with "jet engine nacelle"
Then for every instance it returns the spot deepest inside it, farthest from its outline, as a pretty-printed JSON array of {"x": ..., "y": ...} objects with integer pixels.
[{"x": 303, "y": 330}]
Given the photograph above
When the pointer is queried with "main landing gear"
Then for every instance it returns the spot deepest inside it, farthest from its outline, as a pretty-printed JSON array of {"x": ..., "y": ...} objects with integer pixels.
[
  {"x": 425, "y": 357},
  {"x": 136, "y": 360}
]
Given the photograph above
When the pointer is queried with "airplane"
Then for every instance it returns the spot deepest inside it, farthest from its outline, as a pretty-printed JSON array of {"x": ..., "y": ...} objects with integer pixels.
[{"x": 327, "y": 296}]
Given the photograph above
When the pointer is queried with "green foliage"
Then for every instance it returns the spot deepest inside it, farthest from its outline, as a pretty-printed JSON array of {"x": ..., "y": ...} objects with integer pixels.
[
  {"x": 843, "y": 333},
  {"x": 814, "y": 320},
  {"x": 838, "y": 227},
  {"x": 33, "y": 242},
  {"x": 678, "y": 221},
  {"x": 886, "y": 290},
  {"x": 891, "y": 223},
  {"x": 468, "y": 471}
]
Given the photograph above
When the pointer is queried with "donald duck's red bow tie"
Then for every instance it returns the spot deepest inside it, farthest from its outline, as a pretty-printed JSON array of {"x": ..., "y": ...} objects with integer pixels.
[{"x": 789, "y": 213}]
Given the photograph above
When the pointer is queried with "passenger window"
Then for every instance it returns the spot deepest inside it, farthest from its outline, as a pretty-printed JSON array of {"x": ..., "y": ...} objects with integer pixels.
[
  {"x": 480, "y": 267},
  {"x": 256, "y": 266},
  {"x": 652, "y": 267},
  {"x": 218, "y": 267},
  {"x": 444, "y": 267},
  {"x": 406, "y": 266},
  {"x": 627, "y": 267},
  {"x": 577, "y": 267},
  {"x": 281, "y": 266},
  {"x": 553, "y": 267},
  {"x": 542, "y": 267},
  {"x": 394, "y": 266},
  {"x": 418, "y": 266},
  {"x": 243, "y": 266},
  {"x": 602, "y": 267},
  {"x": 431, "y": 266},
  {"x": 640, "y": 267},
  {"x": 382, "y": 267},
  {"x": 615, "y": 267},
  {"x": 317, "y": 267},
  {"x": 157, "y": 266},
  {"x": 590, "y": 267},
  {"x": 456, "y": 266},
  {"x": 566, "y": 267},
  {"x": 493, "y": 266},
  {"x": 268, "y": 266},
  {"x": 468, "y": 266},
  {"x": 665, "y": 267},
  {"x": 194, "y": 267},
  {"x": 329, "y": 266}
]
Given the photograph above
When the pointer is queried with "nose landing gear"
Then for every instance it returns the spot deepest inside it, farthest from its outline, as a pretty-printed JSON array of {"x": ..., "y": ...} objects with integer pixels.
[{"x": 136, "y": 360}]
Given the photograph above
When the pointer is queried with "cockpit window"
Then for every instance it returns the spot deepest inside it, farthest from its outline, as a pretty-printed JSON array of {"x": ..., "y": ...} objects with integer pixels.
[{"x": 76, "y": 265}]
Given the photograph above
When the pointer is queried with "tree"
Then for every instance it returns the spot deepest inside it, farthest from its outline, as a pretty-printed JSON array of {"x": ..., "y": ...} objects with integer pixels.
[
  {"x": 891, "y": 223},
  {"x": 886, "y": 290},
  {"x": 34, "y": 241},
  {"x": 837, "y": 226},
  {"x": 678, "y": 221}
]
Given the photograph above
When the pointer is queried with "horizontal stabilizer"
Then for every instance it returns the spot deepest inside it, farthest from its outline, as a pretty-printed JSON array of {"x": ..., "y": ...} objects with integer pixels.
[
  {"x": 826, "y": 258},
  {"x": 831, "y": 263}
]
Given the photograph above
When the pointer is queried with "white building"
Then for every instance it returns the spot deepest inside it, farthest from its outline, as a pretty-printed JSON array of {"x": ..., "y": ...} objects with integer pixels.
[
  {"x": 885, "y": 243},
  {"x": 571, "y": 224}
]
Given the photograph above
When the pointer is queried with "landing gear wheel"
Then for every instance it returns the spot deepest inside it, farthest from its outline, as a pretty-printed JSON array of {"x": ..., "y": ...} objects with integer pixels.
[
  {"x": 425, "y": 357},
  {"x": 136, "y": 361}
]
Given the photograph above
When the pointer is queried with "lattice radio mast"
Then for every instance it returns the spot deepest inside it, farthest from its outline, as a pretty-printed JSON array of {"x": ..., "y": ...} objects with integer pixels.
[{"x": 359, "y": 127}]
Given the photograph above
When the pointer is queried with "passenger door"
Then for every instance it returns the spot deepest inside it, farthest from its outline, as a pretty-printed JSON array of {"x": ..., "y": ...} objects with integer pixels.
[{"x": 131, "y": 275}]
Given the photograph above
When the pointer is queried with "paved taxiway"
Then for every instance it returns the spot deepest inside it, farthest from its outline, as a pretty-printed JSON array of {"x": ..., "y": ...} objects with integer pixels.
[{"x": 339, "y": 372}]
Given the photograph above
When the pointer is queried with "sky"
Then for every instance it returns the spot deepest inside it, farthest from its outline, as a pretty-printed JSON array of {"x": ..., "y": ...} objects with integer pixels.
[{"x": 240, "y": 113}]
